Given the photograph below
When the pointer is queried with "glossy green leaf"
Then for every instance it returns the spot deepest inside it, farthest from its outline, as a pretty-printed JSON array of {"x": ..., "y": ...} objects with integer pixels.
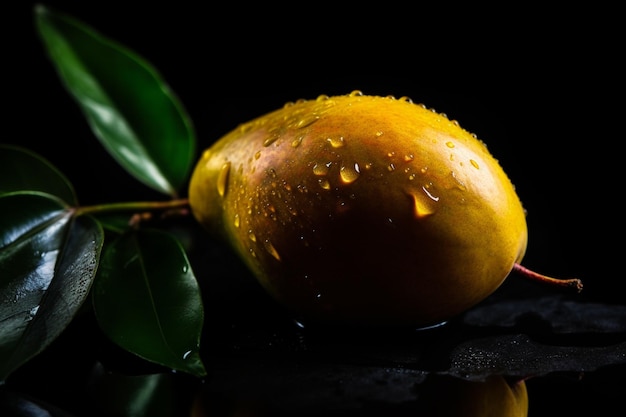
[
  {"x": 129, "y": 107},
  {"x": 147, "y": 300},
  {"x": 48, "y": 260},
  {"x": 23, "y": 170}
]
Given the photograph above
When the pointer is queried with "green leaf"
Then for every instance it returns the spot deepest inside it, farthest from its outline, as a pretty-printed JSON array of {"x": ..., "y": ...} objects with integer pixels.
[
  {"x": 24, "y": 170},
  {"x": 147, "y": 300},
  {"x": 129, "y": 107},
  {"x": 48, "y": 260}
]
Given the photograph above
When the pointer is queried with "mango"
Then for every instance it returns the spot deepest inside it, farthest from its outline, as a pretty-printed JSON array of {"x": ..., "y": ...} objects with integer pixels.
[{"x": 365, "y": 210}]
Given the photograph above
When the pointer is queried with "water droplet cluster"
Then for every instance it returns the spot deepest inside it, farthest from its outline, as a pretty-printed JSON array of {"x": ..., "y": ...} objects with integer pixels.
[{"x": 334, "y": 167}]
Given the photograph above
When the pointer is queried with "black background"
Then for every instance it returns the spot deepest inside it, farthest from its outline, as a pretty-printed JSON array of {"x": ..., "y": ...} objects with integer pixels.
[{"x": 540, "y": 88}]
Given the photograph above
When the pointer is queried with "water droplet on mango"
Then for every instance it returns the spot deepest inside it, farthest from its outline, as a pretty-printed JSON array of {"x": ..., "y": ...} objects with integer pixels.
[
  {"x": 271, "y": 249},
  {"x": 422, "y": 207},
  {"x": 222, "y": 179},
  {"x": 336, "y": 141},
  {"x": 267, "y": 142},
  {"x": 324, "y": 183},
  {"x": 297, "y": 141},
  {"x": 321, "y": 168},
  {"x": 307, "y": 120},
  {"x": 426, "y": 189},
  {"x": 349, "y": 173}
]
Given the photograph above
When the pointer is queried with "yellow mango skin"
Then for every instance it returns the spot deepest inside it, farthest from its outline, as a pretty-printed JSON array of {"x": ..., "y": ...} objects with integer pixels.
[{"x": 363, "y": 210}]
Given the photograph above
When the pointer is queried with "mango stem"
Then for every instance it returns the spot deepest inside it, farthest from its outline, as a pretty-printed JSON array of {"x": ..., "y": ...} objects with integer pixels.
[{"x": 571, "y": 283}]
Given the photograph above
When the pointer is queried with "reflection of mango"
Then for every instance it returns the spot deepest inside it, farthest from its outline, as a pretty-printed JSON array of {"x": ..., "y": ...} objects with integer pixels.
[
  {"x": 444, "y": 396},
  {"x": 363, "y": 209}
]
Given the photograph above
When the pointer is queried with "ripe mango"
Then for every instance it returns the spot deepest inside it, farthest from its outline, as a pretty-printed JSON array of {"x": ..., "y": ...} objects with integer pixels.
[{"x": 363, "y": 209}]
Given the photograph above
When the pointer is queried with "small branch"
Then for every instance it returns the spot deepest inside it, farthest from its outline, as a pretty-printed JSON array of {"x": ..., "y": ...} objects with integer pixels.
[
  {"x": 136, "y": 206},
  {"x": 141, "y": 211},
  {"x": 572, "y": 283}
]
